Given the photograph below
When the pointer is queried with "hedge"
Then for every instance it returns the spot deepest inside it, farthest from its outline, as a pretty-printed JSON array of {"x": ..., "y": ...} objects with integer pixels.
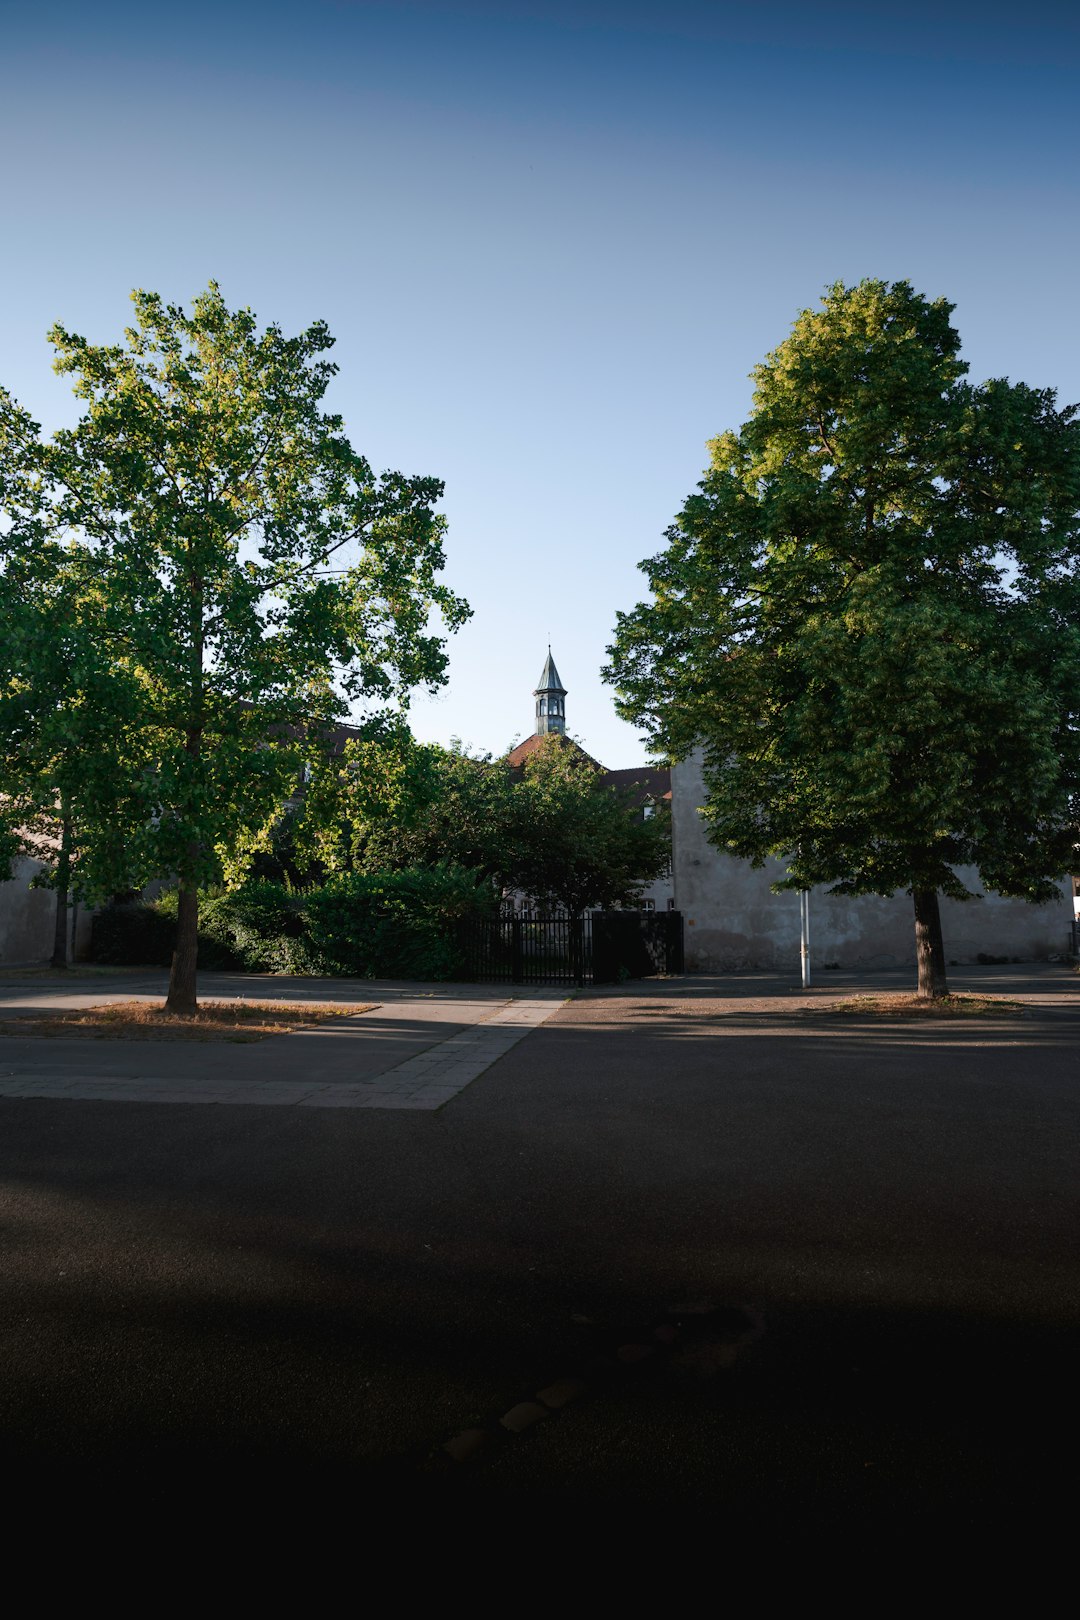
[{"x": 397, "y": 925}]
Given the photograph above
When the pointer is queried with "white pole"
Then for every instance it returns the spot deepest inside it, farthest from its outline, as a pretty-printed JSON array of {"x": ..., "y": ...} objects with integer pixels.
[{"x": 804, "y": 936}]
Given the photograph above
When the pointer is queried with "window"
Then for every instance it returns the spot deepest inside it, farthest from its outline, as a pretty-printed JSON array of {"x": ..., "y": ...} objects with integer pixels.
[
  {"x": 648, "y": 810},
  {"x": 648, "y": 905},
  {"x": 671, "y": 902}
]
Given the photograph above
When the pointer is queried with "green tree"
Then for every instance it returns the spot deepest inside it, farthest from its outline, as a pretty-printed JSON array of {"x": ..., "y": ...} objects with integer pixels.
[
  {"x": 576, "y": 841},
  {"x": 454, "y": 806},
  {"x": 252, "y": 575},
  {"x": 22, "y": 530},
  {"x": 368, "y": 807},
  {"x": 554, "y": 829},
  {"x": 866, "y": 617},
  {"x": 63, "y": 707},
  {"x": 56, "y": 687}
]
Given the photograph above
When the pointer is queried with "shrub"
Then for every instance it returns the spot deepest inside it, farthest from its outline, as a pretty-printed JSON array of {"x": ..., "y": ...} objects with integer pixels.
[
  {"x": 399, "y": 925},
  {"x": 214, "y": 948},
  {"x": 256, "y": 924},
  {"x": 135, "y": 933}
]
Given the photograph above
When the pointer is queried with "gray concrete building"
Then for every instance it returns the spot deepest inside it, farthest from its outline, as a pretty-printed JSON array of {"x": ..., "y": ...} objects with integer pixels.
[
  {"x": 28, "y": 919},
  {"x": 734, "y": 920}
]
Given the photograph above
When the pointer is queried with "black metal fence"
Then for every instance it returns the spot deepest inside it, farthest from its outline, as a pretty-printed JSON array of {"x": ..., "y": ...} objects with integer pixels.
[
  {"x": 636, "y": 944},
  {"x": 604, "y": 947},
  {"x": 518, "y": 950}
]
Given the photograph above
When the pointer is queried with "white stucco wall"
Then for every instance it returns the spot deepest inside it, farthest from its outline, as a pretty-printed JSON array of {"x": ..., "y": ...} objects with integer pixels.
[
  {"x": 660, "y": 892},
  {"x": 733, "y": 920},
  {"x": 28, "y": 919}
]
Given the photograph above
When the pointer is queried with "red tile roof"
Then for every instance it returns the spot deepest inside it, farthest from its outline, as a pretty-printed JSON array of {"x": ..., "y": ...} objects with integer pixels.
[
  {"x": 640, "y": 782},
  {"x": 518, "y": 755},
  {"x": 644, "y": 782}
]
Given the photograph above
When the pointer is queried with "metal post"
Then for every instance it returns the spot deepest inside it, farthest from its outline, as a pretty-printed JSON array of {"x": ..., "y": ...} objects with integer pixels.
[{"x": 804, "y": 936}]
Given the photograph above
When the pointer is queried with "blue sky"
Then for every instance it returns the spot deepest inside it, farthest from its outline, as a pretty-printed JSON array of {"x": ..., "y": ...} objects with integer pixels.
[{"x": 550, "y": 239}]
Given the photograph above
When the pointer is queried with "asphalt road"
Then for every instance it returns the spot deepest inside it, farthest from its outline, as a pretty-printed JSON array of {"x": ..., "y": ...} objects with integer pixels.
[{"x": 849, "y": 1248}]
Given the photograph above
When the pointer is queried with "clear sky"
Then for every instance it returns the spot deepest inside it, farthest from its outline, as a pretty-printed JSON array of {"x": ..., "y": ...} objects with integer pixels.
[{"x": 551, "y": 239}]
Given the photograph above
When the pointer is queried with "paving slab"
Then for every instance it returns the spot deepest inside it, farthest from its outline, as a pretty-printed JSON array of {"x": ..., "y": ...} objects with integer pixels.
[{"x": 421, "y": 1042}]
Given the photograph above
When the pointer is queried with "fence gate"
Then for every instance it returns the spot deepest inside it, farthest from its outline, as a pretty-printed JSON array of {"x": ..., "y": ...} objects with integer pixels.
[
  {"x": 520, "y": 950},
  {"x": 636, "y": 944},
  {"x": 604, "y": 947}
]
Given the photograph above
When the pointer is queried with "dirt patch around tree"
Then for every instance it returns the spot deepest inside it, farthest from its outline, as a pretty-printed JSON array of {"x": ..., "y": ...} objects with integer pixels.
[
  {"x": 240, "y": 1021},
  {"x": 897, "y": 1003}
]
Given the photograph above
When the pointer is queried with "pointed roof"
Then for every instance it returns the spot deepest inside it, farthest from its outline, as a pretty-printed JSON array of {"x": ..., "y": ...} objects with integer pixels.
[
  {"x": 553, "y": 739},
  {"x": 549, "y": 678}
]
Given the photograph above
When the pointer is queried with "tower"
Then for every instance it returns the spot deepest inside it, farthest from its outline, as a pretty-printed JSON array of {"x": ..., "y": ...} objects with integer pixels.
[{"x": 549, "y": 695}]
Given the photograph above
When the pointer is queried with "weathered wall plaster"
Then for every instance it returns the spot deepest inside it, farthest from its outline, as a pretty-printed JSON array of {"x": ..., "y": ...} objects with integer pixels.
[
  {"x": 733, "y": 920},
  {"x": 28, "y": 918}
]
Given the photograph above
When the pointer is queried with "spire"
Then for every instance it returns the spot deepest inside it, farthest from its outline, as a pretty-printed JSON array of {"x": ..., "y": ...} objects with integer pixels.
[
  {"x": 549, "y": 695},
  {"x": 549, "y": 678}
]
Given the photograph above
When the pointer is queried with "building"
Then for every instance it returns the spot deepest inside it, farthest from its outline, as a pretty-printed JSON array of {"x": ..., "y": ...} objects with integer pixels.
[
  {"x": 645, "y": 786},
  {"x": 28, "y": 918},
  {"x": 733, "y": 919}
]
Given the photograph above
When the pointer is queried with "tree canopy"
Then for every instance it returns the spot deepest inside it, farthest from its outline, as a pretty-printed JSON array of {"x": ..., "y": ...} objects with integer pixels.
[
  {"x": 250, "y": 576},
  {"x": 553, "y": 830},
  {"x": 578, "y": 841},
  {"x": 63, "y": 705},
  {"x": 866, "y": 617}
]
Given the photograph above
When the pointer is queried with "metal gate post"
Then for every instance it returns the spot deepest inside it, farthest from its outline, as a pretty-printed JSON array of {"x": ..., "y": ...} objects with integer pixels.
[
  {"x": 676, "y": 953},
  {"x": 576, "y": 930},
  {"x": 517, "y": 963}
]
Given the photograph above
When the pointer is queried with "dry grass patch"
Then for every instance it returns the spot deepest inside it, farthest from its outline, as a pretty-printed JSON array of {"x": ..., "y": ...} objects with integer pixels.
[
  {"x": 893, "y": 1004},
  {"x": 214, "y": 1021}
]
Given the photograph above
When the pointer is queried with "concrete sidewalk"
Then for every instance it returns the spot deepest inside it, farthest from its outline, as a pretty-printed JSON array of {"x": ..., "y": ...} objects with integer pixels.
[{"x": 416, "y": 1047}]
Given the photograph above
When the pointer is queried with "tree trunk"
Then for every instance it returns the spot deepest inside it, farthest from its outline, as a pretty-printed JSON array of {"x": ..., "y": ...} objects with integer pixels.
[
  {"x": 63, "y": 881},
  {"x": 59, "y": 958},
  {"x": 929, "y": 946},
  {"x": 182, "y": 998},
  {"x": 183, "y": 984}
]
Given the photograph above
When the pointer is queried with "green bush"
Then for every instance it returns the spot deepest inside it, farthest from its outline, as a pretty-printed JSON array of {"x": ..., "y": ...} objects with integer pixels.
[
  {"x": 133, "y": 934},
  {"x": 215, "y": 948},
  {"x": 396, "y": 925},
  {"x": 258, "y": 924}
]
